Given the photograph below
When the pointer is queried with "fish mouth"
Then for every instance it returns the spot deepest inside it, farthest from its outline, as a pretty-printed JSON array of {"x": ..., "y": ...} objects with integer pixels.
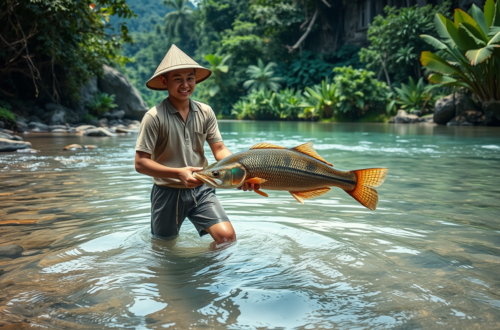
[{"x": 214, "y": 183}]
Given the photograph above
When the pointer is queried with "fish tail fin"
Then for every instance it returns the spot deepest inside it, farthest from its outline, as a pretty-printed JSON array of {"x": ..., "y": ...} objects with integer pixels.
[{"x": 367, "y": 180}]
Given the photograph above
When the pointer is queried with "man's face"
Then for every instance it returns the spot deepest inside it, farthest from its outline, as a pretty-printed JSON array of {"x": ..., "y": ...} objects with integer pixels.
[{"x": 180, "y": 83}]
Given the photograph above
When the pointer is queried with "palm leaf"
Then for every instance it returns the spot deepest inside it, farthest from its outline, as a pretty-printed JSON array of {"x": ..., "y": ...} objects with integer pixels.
[
  {"x": 477, "y": 56},
  {"x": 436, "y": 63},
  {"x": 433, "y": 42},
  {"x": 489, "y": 12},
  {"x": 479, "y": 17}
]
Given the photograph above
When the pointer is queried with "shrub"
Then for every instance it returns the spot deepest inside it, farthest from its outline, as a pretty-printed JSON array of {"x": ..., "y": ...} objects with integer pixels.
[
  {"x": 320, "y": 100},
  {"x": 101, "y": 103},
  {"x": 413, "y": 97},
  {"x": 358, "y": 92},
  {"x": 6, "y": 114}
]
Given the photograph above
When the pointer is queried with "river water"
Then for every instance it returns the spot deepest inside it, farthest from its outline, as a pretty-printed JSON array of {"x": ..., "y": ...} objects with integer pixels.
[{"x": 427, "y": 258}]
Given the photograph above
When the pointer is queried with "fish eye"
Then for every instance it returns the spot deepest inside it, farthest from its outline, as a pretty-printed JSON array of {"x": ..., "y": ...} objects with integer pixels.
[{"x": 215, "y": 173}]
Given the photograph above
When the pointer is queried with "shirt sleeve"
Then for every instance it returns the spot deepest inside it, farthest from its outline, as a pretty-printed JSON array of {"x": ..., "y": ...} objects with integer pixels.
[
  {"x": 148, "y": 134},
  {"x": 213, "y": 133}
]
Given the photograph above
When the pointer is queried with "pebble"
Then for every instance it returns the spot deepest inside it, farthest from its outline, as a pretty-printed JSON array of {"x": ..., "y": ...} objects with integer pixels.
[
  {"x": 11, "y": 251},
  {"x": 72, "y": 147},
  {"x": 28, "y": 151}
]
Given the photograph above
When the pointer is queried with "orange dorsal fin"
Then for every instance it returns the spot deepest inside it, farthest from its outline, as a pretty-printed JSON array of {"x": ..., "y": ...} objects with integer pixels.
[
  {"x": 367, "y": 180},
  {"x": 301, "y": 195},
  {"x": 307, "y": 148},
  {"x": 256, "y": 180},
  {"x": 260, "y": 192},
  {"x": 265, "y": 145}
]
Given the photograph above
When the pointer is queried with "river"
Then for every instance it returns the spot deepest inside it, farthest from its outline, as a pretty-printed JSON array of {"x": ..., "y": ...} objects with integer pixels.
[{"x": 427, "y": 258}]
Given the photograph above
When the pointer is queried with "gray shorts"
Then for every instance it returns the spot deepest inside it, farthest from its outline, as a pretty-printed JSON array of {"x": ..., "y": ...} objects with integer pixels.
[{"x": 171, "y": 206}]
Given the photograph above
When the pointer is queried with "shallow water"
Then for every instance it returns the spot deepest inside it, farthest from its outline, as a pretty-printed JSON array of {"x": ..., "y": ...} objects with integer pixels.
[{"x": 428, "y": 258}]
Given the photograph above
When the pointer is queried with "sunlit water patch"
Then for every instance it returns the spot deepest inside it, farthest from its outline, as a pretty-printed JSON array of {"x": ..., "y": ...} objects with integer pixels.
[{"x": 428, "y": 258}]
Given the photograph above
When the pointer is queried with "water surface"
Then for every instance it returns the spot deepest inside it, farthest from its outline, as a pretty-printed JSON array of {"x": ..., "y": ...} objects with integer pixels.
[{"x": 428, "y": 257}]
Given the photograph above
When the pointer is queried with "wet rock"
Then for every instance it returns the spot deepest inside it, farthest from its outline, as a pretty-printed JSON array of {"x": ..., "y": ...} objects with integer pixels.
[
  {"x": 6, "y": 136},
  {"x": 40, "y": 126},
  {"x": 444, "y": 110},
  {"x": 459, "y": 121},
  {"x": 90, "y": 146},
  {"x": 474, "y": 117},
  {"x": 11, "y": 251},
  {"x": 31, "y": 252},
  {"x": 12, "y": 145},
  {"x": 404, "y": 118},
  {"x": 72, "y": 147},
  {"x": 113, "y": 122},
  {"x": 28, "y": 151},
  {"x": 21, "y": 126},
  {"x": 83, "y": 128},
  {"x": 98, "y": 132},
  {"x": 6, "y": 131},
  {"x": 35, "y": 119},
  {"x": 491, "y": 111},
  {"x": 117, "y": 114},
  {"x": 103, "y": 122},
  {"x": 59, "y": 115},
  {"x": 58, "y": 130},
  {"x": 127, "y": 96}
]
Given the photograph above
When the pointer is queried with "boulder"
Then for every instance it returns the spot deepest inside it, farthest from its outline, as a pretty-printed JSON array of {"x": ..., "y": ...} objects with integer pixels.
[
  {"x": 103, "y": 122},
  {"x": 98, "y": 132},
  {"x": 36, "y": 111},
  {"x": 20, "y": 126},
  {"x": 86, "y": 94},
  {"x": 474, "y": 117},
  {"x": 491, "y": 111},
  {"x": 72, "y": 147},
  {"x": 464, "y": 103},
  {"x": 28, "y": 151},
  {"x": 404, "y": 118},
  {"x": 117, "y": 114},
  {"x": 59, "y": 115},
  {"x": 34, "y": 119},
  {"x": 40, "y": 126},
  {"x": 58, "y": 130},
  {"x": 458, "y": 121},
  {"x": 2, "y": 124},
  {"x": 444, "y": 109},
  {"x": 127, "y": 97},
  {"x": 11, "y": 251},
  {"x": 12, "y": 145}
]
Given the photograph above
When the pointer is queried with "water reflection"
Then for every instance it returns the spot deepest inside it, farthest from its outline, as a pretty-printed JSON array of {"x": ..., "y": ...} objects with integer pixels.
[{"x": 427, "y": 258}]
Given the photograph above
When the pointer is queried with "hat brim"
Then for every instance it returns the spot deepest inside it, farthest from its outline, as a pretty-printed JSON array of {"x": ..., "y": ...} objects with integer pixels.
[{"x": 155, "y": 83}]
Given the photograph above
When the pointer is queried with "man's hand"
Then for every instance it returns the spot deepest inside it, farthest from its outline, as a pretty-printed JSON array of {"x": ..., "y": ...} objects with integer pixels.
[
  {"x": 185, "y": 174},
  {"x": 249, "y": 186}
]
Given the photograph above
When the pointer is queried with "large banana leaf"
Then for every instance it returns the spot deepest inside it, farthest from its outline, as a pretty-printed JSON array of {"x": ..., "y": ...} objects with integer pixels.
[{"x": 437, "y": 63}]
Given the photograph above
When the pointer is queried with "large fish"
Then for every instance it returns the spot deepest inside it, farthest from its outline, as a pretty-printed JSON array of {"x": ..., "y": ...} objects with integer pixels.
[{"x": 300, "y": 170}]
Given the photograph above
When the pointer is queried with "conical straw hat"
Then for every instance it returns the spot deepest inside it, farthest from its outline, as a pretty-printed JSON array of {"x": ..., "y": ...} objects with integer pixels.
[{"x": 174, "y": 60}]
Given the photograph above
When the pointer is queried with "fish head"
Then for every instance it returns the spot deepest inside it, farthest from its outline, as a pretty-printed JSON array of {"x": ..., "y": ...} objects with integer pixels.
[{"x": 220, "y": 175}]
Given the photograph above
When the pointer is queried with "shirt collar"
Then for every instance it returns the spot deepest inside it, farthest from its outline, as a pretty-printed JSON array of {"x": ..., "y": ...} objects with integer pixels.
[{"x": 172, "y": 110}]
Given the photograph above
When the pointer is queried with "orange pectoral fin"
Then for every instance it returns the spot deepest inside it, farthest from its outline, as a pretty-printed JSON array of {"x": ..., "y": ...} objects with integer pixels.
[
  {"x": 256, "y": 180},
  {"x": 260, "y": 192}
]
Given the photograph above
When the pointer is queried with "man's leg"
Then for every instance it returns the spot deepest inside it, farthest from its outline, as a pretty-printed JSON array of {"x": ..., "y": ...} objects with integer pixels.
[
  {"x": 222, "y": 232},
  {"x": 209, "y": 217}
]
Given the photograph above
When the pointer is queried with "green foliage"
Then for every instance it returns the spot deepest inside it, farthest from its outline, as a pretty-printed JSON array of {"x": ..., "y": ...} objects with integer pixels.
[
  {"x": 101, "y": 102},
  {"x": 358, "y": 92},
  {"x": 178, "y": 20},
  {"x": 262, "y": 77},
  {"x": 217, "y": 81},
  {"x": 88, "y": 118},
  {"x": 63, "y": 43},
  {"x": 266, "y": 104},
  {"x": 395, "y": 43},
  {"x": 6, "y": 114},
  {"x": 470, "y": 48},
  {"x": 417, "y": 96},
  {"x": 320, "y": 100}
]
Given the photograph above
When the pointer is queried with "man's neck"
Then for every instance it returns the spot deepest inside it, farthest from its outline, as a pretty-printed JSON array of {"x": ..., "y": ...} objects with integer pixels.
[{"x": 181, "y": 106}]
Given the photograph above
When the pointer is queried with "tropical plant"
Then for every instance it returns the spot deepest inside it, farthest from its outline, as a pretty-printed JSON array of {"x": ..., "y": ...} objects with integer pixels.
[
  {"x": 101, "y": 102},
  {"x": 415, "y": 96},
  {"x": 49, "y": 48},
  {"x": 470, "y": 51},
  {"x": 218, "y": 67},
  {"x": 320, "y": 100},
  {"x": 6, "y": 114},
  {"x": 358, "y": 92},
  {"x": 306, "y": 70},
  {"x": 290, "y": 103},
  {"x": 178, "y": 19},
  {"x": 262, "y": 77},
  {"x": 394, "y": 43}
]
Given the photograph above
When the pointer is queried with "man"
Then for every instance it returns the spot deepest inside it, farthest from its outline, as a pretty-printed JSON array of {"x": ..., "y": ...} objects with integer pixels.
[{"x": 170, "y": 148}]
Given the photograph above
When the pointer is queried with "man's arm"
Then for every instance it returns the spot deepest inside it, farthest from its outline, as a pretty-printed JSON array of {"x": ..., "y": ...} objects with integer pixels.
[
  {"x": 145, "y": 165},
  {"x": 220, "y": 151}
]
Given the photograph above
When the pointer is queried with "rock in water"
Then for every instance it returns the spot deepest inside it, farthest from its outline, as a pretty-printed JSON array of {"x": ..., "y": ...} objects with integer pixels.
[
  {"x": 11, "y": 251},
  {"x": 492, "y": 112},
  {"x": 72, "y": 147},
  {"x": 11, "y": 145},
  {"x": 127, "y": 97},
  {"x": 444, "y": 110},
  {"x": 98, "y": 132}
]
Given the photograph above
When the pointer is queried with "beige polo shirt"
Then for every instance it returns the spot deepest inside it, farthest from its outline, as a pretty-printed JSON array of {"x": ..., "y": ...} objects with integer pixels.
[{"x": 175, "y": 143}]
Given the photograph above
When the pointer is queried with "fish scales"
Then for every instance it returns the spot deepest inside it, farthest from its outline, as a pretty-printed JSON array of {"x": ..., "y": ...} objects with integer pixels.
[{"x": 285, "y": 169}]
